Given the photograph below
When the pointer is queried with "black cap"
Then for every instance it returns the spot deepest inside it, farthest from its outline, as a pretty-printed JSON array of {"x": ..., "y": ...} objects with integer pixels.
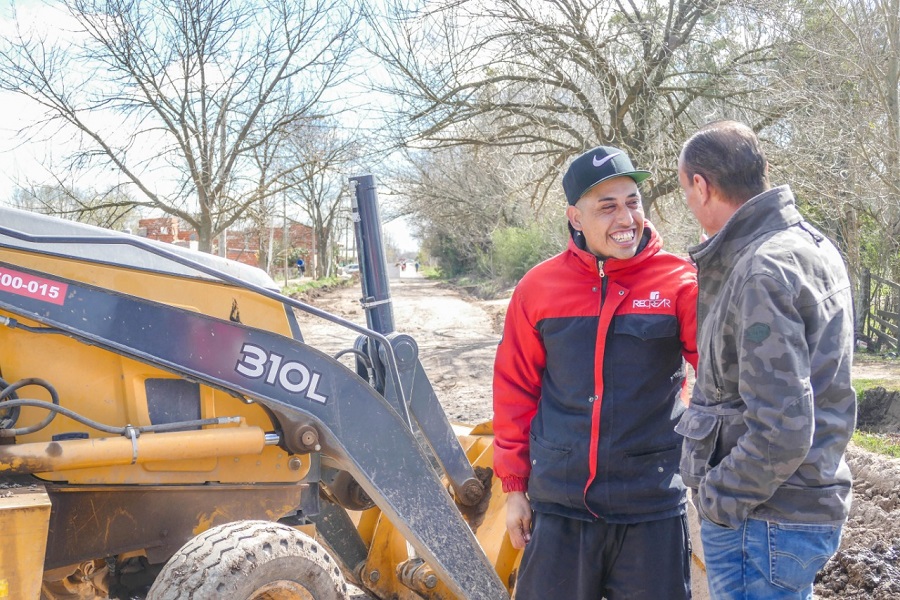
[{"x": 594, "y": 166}]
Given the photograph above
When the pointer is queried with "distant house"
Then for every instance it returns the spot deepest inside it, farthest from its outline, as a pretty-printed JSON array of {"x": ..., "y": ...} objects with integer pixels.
[{"x": 243, "y": 246}]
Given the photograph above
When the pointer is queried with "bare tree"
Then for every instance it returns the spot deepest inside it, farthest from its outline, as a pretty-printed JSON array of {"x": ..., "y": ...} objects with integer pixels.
[
  {"x": 320, "y": 187},
  {"x": 457, "y": 197},
  {"x": 187, "y": 100},
  {"x": 840, "y": 146},
  {"x": 112, "y": 209},
  {"x": 549, "y": 80}
]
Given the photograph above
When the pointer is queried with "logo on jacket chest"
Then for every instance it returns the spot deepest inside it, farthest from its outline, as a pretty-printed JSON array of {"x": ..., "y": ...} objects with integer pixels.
[{"x": 654, "y": 301}]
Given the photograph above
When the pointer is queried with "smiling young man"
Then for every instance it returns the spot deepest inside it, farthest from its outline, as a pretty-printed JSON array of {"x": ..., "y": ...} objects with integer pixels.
[{"x": 587, "y": 385}]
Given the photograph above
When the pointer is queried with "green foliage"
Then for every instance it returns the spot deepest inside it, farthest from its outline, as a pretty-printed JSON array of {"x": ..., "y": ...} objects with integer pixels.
[
  {"x": 429, "y": 272},
  {"x": 457, "y": 256},
  {"x": 876, "y": 251},
  {"x": 878, "y": 442},
  {"x": 861, "y": 385},
  {"x": 488, "y": 267},
  {"x": 296, "y": 253},
  {"x": 517, "y": 249},
  {"x": 313, "y": 284}
]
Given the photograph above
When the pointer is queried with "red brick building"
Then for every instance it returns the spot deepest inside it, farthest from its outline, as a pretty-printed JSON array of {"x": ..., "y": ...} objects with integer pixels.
[{"x": 246, "y": 246}]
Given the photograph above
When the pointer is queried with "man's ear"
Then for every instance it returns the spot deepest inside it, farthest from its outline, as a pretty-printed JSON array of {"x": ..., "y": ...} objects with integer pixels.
[
  {"x": 702, "y": 186},
  {"x": 574, "y": 216}
]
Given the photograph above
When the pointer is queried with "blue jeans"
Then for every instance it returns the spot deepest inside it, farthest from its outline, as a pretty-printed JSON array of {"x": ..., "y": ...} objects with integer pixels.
[{"x": 766, "y": 561}]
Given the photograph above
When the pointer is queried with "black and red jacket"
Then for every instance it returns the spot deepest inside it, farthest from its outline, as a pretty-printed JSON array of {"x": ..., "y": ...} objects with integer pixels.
[{"x": 588, "y": 380}]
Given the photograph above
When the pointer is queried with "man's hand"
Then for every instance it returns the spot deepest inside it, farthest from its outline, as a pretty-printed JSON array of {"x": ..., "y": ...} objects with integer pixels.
[{"x": 518, "y": 519}]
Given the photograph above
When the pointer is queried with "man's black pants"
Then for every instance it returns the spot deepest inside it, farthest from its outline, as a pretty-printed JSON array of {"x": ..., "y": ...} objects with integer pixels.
[{"x": 568, "y": 559}]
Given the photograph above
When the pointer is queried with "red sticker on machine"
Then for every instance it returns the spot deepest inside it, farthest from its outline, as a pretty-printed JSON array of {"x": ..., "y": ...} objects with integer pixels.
[{"x": 30, "y": 286}]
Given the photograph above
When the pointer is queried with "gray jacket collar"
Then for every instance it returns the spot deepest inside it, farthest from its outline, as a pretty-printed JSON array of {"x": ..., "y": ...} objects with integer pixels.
[{"x": 770, "y": 211}]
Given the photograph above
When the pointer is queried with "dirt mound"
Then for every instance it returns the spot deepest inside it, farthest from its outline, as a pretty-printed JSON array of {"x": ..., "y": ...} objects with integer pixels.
[
  {"x": 879, "y": 411},
  {"x": 311, "y": 294},
  {"x": 861, "y": 573},
  {"x": 868, "y": 562}
]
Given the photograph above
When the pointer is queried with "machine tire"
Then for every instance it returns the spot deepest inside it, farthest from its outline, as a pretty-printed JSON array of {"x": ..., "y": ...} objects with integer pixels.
[{"x": 250, "y": 560}]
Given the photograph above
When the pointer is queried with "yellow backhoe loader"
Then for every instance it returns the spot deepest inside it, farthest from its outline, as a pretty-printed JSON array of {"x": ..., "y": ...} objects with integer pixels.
[{"x": 166, "y": 433}]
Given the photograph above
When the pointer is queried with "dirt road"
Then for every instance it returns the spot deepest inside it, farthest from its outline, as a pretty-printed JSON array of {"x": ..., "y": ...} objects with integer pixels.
[{"x": 457, "y": 337}]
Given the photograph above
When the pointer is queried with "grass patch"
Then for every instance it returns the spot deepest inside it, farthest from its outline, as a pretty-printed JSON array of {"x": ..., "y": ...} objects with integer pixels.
[
  {"x": 317, "y": 284},
  {"x": 886, "y": 444},
  {"x": 429, "y": 272},
  {"x": 861, "y": 385},
  {"x": 880, "y": 443}
]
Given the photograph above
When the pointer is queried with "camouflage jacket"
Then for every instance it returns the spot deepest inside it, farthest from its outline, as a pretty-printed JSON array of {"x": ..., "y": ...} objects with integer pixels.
[{"x": 772, "y": 409}]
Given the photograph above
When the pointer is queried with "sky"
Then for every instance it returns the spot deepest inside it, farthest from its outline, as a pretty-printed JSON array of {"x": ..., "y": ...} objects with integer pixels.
[
  {"x": 23, "y": 161},
  {"x": 399, "y": 233}
]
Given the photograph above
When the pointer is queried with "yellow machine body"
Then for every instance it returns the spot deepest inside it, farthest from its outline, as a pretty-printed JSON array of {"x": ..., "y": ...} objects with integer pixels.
[
  {"x": 78, "y": 496},
  {"x": 112, "y": 389},
  {"x": 24, "y": 518}
]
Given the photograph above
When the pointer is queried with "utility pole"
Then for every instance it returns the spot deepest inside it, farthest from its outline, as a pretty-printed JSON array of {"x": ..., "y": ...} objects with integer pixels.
[
  {"x": 284, "y": 236},
  {"x": 223, "y": 243}
]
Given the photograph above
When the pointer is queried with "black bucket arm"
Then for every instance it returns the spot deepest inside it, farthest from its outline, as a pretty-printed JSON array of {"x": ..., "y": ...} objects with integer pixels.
[{"x": 415, "y": 387}]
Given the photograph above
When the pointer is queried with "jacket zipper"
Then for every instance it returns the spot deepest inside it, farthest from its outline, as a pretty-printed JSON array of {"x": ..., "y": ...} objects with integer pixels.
[
  {"x": 714, "y": 367},
  {"x": 603, "y": 280},
  {"x": 595, "y": 397},
  {"x": 712, "y": 352}
]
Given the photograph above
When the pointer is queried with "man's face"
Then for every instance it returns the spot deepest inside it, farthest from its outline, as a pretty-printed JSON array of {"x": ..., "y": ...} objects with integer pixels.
[
  {"x": 692, "y": 195},
  {"x": 611, "y": 217}
]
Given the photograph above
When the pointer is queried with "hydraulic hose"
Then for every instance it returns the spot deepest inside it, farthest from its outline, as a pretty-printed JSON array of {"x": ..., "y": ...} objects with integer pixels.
[
  {"x": 11, "y": 414},
  {"x": 364, "y": 358},
  {"x": 10, "y": 391},
  {"x": 54, "y": 408}
]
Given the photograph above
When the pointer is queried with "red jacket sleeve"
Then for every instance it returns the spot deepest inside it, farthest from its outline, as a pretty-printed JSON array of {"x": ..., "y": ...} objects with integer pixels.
[
  {"x": 518, "y": 371},
  {"x": 687, "y": 318}
]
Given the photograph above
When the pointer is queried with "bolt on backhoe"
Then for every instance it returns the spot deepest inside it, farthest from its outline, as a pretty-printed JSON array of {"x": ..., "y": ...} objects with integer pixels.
[{"x": 165, "y": 432}]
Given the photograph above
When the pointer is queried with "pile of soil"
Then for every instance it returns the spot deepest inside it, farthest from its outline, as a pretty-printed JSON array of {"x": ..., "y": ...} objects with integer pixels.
[
  {"x": 868, "y": 562},
  {"x": 879, "y": 411},
  {"x": 867, "y": 565},
  {"x": 457, "y": 336}
]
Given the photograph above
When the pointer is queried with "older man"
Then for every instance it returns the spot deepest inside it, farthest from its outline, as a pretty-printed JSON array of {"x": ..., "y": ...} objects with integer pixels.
[{"x": 772, "y": 409}]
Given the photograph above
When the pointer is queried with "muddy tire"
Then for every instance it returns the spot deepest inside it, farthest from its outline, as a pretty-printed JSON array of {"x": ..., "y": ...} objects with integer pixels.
[{"x": 250, "y": 560}]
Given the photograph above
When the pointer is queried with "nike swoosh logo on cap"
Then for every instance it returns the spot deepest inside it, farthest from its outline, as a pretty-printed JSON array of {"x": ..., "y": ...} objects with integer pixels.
[{"x": 605, "y": 159}]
